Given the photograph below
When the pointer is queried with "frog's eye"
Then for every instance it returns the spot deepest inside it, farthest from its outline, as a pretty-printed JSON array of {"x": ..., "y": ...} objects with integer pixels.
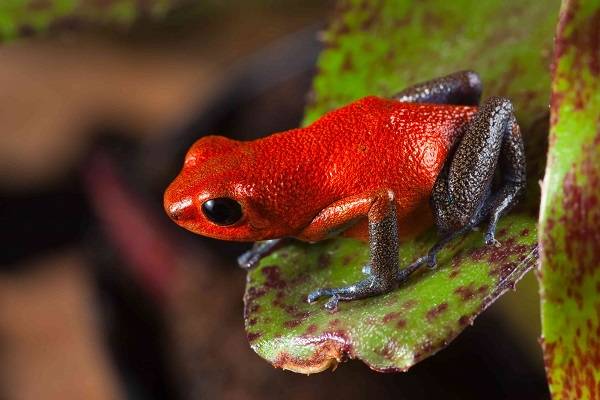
[{"x": 222, "y": 211}]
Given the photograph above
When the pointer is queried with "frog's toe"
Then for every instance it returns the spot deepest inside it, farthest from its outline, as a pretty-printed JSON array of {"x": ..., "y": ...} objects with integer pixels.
[
  {"x": 333, "y": 295},
  {"x": 490, "y": 240},
  {"x": 366, "y": 269},
  {"x": 248, "y": 260},
  {"x": 317, "y": 294},
  {"x": 429, "y": 260},
  {"x": 332, "y": 304}
]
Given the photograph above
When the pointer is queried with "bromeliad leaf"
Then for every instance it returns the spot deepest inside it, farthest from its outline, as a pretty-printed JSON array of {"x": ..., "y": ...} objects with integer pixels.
[
  {"x": 380, "y": 47},
  {"x": 390, "y": 332},
  {"x": 570, "y": 211}
]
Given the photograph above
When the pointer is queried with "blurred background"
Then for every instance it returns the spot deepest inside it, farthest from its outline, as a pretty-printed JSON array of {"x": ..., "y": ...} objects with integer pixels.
[{"x": 101, "y": 296}]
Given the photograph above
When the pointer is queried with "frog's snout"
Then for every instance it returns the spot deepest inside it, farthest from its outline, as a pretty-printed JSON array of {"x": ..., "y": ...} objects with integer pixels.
[{"x": 182, "y": 210}]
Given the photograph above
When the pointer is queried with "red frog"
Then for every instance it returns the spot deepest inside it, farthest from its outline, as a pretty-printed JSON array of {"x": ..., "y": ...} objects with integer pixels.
[{"x": 377, "y": 169}]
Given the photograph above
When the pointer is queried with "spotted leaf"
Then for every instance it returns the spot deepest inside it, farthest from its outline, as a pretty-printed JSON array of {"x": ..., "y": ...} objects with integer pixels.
[
  {"x": 570, "y": 212},
  {"x": 380, "y": 47}
]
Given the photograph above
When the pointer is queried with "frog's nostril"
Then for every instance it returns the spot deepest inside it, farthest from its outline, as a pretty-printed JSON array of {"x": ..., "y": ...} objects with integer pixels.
[{"x": 181, "y": 210}]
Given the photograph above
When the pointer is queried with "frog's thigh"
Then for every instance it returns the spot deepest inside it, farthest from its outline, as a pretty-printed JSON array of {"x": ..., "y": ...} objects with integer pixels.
[
  {"x": 342, "y": 214},
  {"x": 461, "y": 194},
  {"x": 380, "y": 209},
  {"x": 459, "y": 88}
]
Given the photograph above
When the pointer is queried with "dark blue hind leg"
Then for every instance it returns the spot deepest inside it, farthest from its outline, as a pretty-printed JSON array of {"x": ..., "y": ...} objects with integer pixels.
[{"x": 462, "y": 196}]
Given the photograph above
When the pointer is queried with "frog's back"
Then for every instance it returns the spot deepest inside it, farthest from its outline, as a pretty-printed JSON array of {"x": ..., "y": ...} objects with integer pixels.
[
  {"x": 380, "y": 121},
  {"x": 376, "y": 141},
  {"x": 381, "y": 143}
]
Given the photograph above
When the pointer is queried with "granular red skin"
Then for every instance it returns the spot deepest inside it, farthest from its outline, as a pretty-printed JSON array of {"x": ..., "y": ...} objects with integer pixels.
[{"x": 346, "y": 158}]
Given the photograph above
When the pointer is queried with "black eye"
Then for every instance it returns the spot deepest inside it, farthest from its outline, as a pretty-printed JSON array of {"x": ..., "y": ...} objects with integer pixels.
[{"x": 222, "y": 211}]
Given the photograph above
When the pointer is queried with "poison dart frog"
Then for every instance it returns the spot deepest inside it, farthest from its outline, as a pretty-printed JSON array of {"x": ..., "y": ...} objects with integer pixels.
[{"x": 377, "y": 169}]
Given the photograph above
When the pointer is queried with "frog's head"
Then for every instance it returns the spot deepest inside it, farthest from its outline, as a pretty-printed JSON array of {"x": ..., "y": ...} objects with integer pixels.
[{"x": 211, "y": 195}]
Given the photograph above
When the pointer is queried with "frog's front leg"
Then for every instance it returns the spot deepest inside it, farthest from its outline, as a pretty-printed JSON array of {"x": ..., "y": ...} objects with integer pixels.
[
  {"x": 382, "y": 275},
  {"x": 259, "y": 250}
]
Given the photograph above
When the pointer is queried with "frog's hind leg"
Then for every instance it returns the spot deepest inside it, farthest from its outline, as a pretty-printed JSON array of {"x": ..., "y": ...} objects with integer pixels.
[
  {"x": 460, "y": 88},
  {"x": 462, "y": 197}
]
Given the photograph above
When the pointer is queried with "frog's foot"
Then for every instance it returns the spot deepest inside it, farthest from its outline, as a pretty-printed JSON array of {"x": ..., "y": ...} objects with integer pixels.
[
  {"x": 249, "y": 259},
  {"x": 430, "y": 260},
  {"x": 260, "y": 250},
  {"x": 368, "y": 287}
]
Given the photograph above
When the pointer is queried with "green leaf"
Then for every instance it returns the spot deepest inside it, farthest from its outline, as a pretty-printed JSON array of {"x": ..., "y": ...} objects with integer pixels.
[
  {"x": 24, "y": 17},
  {"x": 380, "y": 47},
  {"x": 570, "y": 211}
]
